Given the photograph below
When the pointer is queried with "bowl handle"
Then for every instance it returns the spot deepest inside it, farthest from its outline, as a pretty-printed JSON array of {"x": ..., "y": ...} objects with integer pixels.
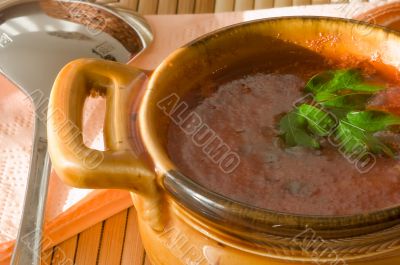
[{"x": 118, "y": 167}]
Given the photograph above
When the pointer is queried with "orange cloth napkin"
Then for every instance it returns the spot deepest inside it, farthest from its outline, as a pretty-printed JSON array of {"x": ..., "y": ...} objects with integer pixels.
[{"x": 69, "y": 210}]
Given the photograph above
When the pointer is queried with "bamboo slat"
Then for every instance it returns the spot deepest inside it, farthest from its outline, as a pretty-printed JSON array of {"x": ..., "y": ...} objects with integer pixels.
[
  {"x": 242, "y": 5},
  {"x": 204, "y": 6},
  {"x": 129, "y": 4},
  {"x": 107, "y": 1},
  {"x": 88, "y": 247},
  {"x": 64, "y": 254},
  {"x": 133, "y": 252},
  {"x": 113, "y": 238},
  {"x": 185, "y": 6},
  {"x": 46, "y": 257},
  {"x": 167, "y": 6},
  {"x": 320, "y": 2},
  {"x": 224, "y": 5},
  {"x": 282, "y": 3},
  {"x": 148, "y": 7},
  {"x": 301, "y": 2},
  {"x": 260, "y": 4}
]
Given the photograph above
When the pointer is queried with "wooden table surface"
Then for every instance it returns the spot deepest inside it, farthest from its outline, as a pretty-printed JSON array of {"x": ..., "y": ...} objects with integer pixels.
[{"x": 111, "y": 242}]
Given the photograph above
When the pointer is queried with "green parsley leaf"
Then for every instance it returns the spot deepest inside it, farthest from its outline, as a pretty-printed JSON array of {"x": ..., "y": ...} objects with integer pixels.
[
  {"x": 319, "y": 122},
  {"x": 349, "y": 102},
  {"x": 319, "y": 82},
  {"x": 293, "y": 130},
  {"x": 339, "y": 80},
  {"x": 372, "y": 121},
  {"x": 366, "y": 88},
  {"x": 350, "y": 138},
  {"x": 355, "y": 141},
  {"x": 332, "y": 81},
  {"x": 378, "y": 147},
  {"x": 342, "y": 96},
  {"x": 339, "y": 113}
]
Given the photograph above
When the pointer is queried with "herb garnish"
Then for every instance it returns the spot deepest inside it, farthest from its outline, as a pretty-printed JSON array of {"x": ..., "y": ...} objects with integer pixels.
[
  {"x": 338, "y": 110},
  {"x": 293, "y": 126}
]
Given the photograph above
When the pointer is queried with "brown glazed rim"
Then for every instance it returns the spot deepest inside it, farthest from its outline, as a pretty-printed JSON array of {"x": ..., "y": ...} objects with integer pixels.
[{"x": 257, "y": 225}]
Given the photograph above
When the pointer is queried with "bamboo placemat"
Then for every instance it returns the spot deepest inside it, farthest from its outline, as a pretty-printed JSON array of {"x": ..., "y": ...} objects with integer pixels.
[
  {"x": 211, "y": 6},
  {"x": 111, "y": 242}
]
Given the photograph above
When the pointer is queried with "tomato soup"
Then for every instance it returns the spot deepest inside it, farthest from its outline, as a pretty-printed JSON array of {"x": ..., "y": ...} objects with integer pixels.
[{"x": 244, "y": 111}]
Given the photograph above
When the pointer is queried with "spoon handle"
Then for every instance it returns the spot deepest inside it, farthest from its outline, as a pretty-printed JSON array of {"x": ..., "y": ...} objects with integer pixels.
[{"x": 29, "y": 242}]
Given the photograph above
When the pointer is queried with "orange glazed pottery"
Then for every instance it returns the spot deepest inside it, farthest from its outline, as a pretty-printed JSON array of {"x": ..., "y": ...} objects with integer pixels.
[{"x": 180, "y": 221}]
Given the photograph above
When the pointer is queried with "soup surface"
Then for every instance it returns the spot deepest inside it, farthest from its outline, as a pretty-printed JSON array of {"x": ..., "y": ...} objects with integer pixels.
[{"x": 243, "y": 111}]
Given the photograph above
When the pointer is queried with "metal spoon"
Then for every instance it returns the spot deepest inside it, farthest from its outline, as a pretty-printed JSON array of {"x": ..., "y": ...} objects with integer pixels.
[{"x": 37, "y": 38}]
